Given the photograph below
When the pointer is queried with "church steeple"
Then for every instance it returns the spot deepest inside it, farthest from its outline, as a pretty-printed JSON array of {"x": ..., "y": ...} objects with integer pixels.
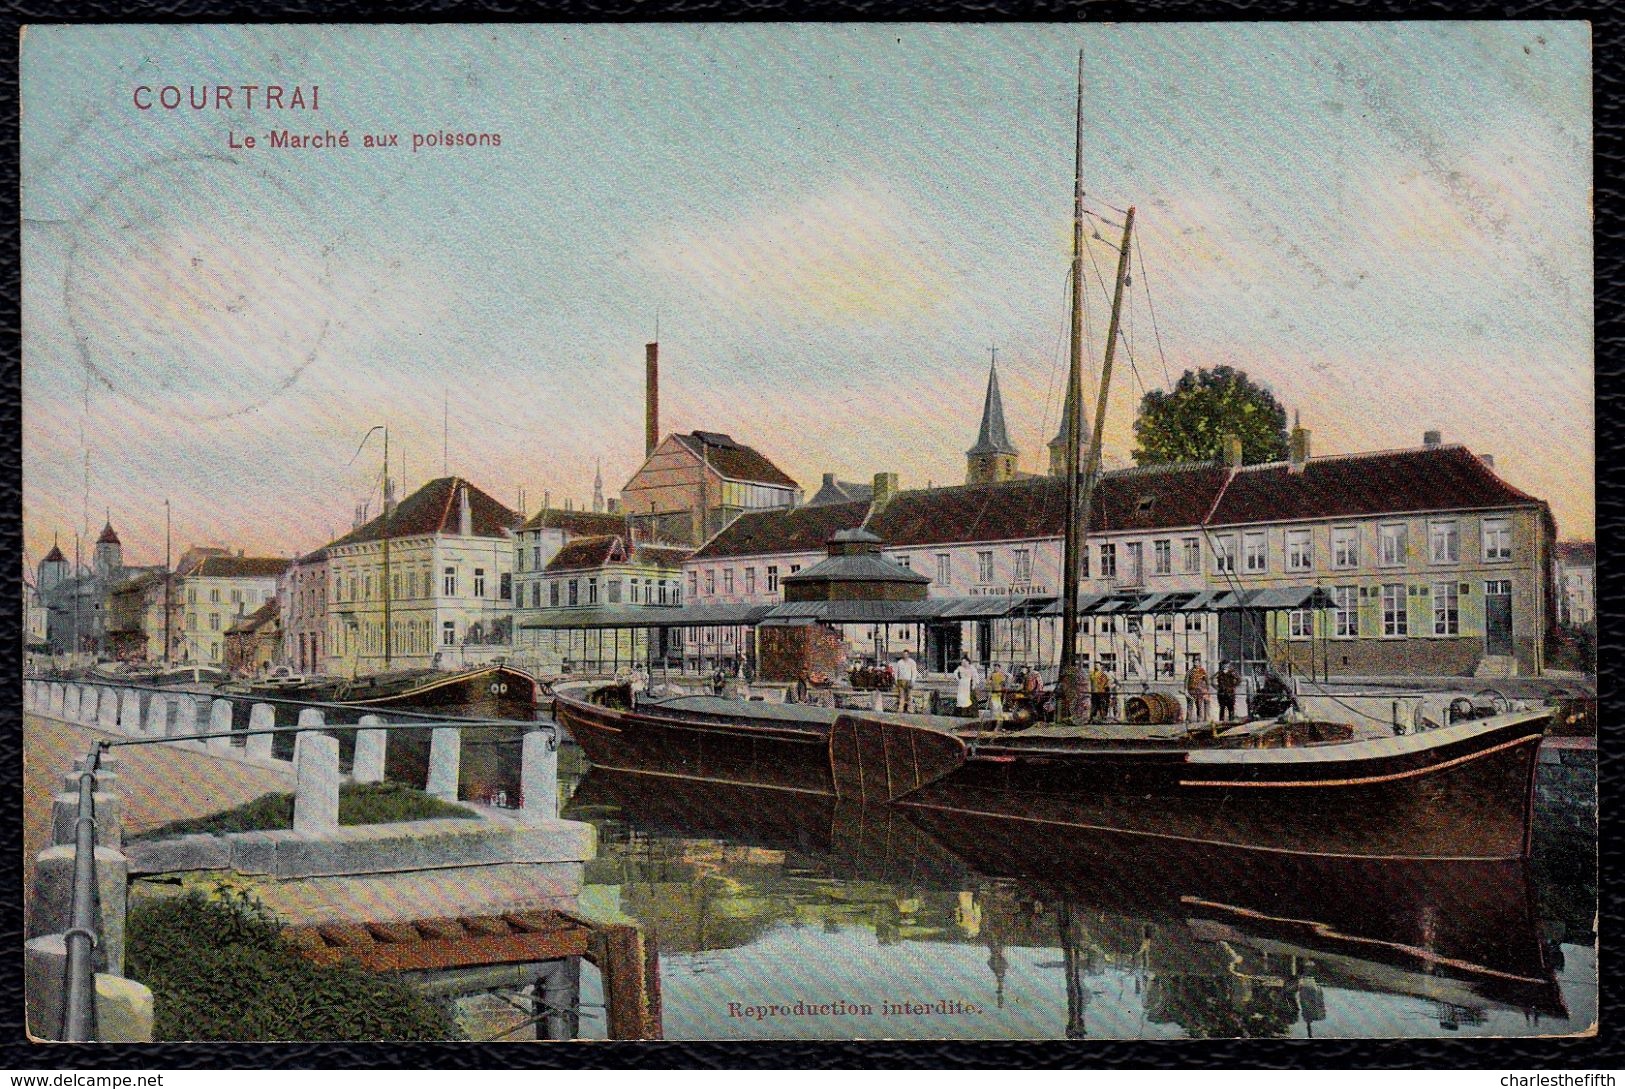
[
  {"x": 598, "y": 489},
  {"x": 993, "y": 458}
]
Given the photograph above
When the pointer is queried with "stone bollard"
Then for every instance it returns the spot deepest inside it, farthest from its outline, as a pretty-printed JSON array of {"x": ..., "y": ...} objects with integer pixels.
[
  {"x": 109, "y": 819},
  {"x": 191, "y": 716},
  {"x": 129, "y": 711},
  {"x": 316, "y": 784},
  {"x": 123, "y": 1011},
  {"x": 70, "y": 703},
  {"x": 155, "y": 723},
  {"x": 59, "y": 692},
  {"x": 107, "y": 710},
  {"x": 370, "y": 748},
  {"x": 445, "y": 754},
  {"x": 310, "y": 716},
  {"x": 89, "y": 698},
  {"x": 220, "y": 726},
  {"x": 539, "y": 774},
  {"x": 262, "y": 716},
  {"x": 52, "y": 908},
  {"x": 45, "y": 963}
]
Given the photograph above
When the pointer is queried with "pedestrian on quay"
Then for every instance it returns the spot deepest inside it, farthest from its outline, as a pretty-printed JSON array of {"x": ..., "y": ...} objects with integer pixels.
[
  {"x": 904, "y": 674},
  {"x": 1196, "y": 693},
  {"x": 1100, "y": 688},
  {"x": 966, "y": 675},
  {"x": 1227, "y": 682},
  {"x": 997, "y": 680}
]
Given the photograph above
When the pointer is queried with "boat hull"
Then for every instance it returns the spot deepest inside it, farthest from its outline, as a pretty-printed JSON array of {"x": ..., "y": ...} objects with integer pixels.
[
  {"x": 496, "y": 692},
  {"x": 1463, "y": 792}
]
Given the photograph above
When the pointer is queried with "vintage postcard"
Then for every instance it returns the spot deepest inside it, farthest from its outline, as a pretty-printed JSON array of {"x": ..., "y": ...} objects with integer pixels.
[{"x": 809, "y": 532}]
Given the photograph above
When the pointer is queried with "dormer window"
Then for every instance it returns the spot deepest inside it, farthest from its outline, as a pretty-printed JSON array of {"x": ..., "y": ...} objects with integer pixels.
[{"x": 1146, "y": 503}]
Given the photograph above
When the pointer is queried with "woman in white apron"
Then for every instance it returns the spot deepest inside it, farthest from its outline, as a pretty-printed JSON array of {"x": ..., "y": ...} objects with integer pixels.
[{"x": 966, "y": 675}]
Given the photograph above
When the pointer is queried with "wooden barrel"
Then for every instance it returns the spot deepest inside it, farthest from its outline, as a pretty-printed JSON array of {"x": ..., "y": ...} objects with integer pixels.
[{"x": 1152, "y": 708}]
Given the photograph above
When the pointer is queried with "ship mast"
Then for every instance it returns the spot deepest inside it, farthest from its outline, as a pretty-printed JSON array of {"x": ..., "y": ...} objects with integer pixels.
[
  {"x": 387, "y": 498},
  {"x": 1080, "y": 486}
]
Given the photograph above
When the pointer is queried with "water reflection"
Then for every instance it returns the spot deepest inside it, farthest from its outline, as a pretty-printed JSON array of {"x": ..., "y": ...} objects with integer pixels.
[{"x": 792, "y": 916}]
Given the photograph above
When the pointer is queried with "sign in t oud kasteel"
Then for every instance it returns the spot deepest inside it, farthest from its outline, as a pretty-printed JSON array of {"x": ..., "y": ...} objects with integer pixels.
[{"x": 250, "y": 97}]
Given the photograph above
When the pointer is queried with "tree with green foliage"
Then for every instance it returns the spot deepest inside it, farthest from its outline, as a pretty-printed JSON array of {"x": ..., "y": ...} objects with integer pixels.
[{"x": 1190, "y": 422}]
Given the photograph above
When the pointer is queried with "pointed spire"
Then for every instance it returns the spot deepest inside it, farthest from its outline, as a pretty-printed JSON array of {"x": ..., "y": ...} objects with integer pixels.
[
  {"x": 1057, "y": 445},
  {"x": 598, "y": 489},
  {"x": 992, "y": 438}
]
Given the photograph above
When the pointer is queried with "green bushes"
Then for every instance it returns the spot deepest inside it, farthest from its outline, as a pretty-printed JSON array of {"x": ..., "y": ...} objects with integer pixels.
[
  {"x": 220, "y": 970},
  {"x": 359, "y": 803}
]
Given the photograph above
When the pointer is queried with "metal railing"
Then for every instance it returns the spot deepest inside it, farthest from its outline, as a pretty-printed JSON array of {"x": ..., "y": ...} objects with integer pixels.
[{"x": 84, "y": 929}]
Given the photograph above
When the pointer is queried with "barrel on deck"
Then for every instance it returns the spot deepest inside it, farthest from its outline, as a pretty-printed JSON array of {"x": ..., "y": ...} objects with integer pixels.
[{"x": 1152, "y": 708}]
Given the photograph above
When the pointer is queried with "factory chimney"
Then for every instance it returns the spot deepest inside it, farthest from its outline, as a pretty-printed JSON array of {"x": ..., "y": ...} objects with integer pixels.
[{"x": 651, "y": 381}]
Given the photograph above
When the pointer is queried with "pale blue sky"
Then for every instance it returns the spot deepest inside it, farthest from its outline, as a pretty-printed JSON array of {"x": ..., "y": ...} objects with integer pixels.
[{"x": 1388, "y": 223}]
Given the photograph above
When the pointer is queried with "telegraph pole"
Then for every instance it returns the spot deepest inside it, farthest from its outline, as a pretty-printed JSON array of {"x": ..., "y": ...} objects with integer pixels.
[{"x": 169, "y": 580}]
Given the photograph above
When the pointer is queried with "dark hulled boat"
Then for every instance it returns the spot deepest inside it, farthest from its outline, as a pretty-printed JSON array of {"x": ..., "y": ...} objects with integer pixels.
[
  {"x": 487, "y": 692},
  {"x": 1459, "y": 792}
]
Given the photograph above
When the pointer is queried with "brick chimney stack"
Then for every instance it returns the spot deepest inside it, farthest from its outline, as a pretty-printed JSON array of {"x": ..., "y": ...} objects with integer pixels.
[
  {"x": 885, "y": 490},
  {"x": 1298, "y": 445},
  {"x": 465, "y": 515},
  {"x": 651, "y": 383}
]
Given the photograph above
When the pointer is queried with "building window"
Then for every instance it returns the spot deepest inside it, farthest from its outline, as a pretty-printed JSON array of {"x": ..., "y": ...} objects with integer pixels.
[
  {"x": 1162, "y": 557},
  {"x": 633, "y": 583},
  {"x": 214, "y": 595},
  {"x": 1346, "y": 616},
  {"x": 1393, "y": 610},
  {"x": 191, "y": 595},
  {"x": 1108, "y": 662},
  {"x": 1192, "y": 558},
  {"x": 984, "y": 567},
  {"x": 1300, "y": 550},
  {"x": 1165, "y": 663},
  {"x": 505, "y": 586},
  {"x": 750, "y": 580},
  {"x": 1255, "y": 551},
  {"x": 536, "y": 556},
  {"x": 1132, "y": 625},
  {"x": 448, "y": 634},
  {"x": 553, "y": 593},
  {"x": 904, "y": 561},
  {"x": 479, "y": 582},
  {"x": 592, "y": 591},
  {"x": 710, "y": 581},
  {"x": 1108, "y": 561},
  {"x": 214, "y": 621},
  {"x": 772, "y": 578},
  {"x": 944, "y": 568},
  {"x": 574, "y": 592},
  {"x": 693, "y": 583},
  {"x": 727, "y": 580},
  {"x": 794, "y": 567},
  {"x": 448, "y": 585},
  {"x": 614, "y": 587},
  {"x": 535, "y": 595},
  {"x": 1224, "y": 554},
  {"x": 1300, "y": 624},
  {"x": 1446, "y": 609},
  {"x": 1024, "y": 565},
  {"x": 1163, "y": 622},
  {"x": 1497, "y": 539},
  {"x": 1444, "y": 542},
  {"x": 1134, "y": 553},
  {"x": 1391, "y": 545},
  {"x": 1345, "y": 546},
  {"x": 1084, "y": 625},
  {"x": 1193, "y": 622}
]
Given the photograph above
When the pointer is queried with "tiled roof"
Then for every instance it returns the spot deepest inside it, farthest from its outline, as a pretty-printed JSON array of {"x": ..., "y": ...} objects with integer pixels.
[
  {"x": 435, "y": 508},
  {"x": 1577, "y": 553},
  {"x": 262, "y": 617},
  {"x": 318, "y": 556},
  {"x": 239, "y": 567},
  {"x": 661, "y": 555},
  {"x": 798, "y": 529},
  {"x": 840, "y": 491},
  {"x": 587, "y": 553},
  {"x": 108, "y": 536},
  {"x": 862, "y": 567},
  {"x": 1357, "y": 485},
  {"x": 992, "y": 438},
  {"x": 577, "y": 523},
  {"x": 54, "y": 556},
  {"x": 735, "y": 460}
]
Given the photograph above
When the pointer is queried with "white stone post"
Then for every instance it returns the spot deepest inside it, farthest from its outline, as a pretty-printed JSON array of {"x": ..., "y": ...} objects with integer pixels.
[
  {"x": 88, "y": 699},
  {"x": 191, "y": 716},
  {"x": 53, "y": 898},
  {"x": 155, "y": 723},
  {"x": 262, "y": 716},
  {"x": 70, "y": 703},
  {"x": 129, "y": 712},
  {"x": 107, "y": 710},
  {"x": 58, "y": 694},
  {"x": 539, "y": 775},
  {"x": 316, "y": 784},
  {"x": 371, "y": 745},
  {"x": 445, "y": 754},
  {"x": 310, "y": 716},
  {"x": 220, "y": 725}
]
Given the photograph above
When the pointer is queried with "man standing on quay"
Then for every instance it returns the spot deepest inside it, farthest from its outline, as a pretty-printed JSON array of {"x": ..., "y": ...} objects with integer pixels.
[{"x": 904, "y": 674}]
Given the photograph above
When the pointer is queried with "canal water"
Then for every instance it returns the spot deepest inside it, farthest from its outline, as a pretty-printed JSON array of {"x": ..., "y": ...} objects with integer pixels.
[{"x": 781, "y": 917}]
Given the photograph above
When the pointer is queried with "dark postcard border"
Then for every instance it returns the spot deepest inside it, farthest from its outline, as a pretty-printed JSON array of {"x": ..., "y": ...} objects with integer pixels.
[{"x": 1599, "y": 1052}]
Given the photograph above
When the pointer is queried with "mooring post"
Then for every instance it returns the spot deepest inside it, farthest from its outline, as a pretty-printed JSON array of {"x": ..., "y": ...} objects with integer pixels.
[
  {"x": 371, "y": 746},
  {"x": 129, "y": 711},
  {"x": 444, "y": 759},
  {"x": 262, "y": 716},
  {"x": 539, "y": 774},
  {"x": 316, "y": 784},
  {"x": 220, "y": 725}
]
